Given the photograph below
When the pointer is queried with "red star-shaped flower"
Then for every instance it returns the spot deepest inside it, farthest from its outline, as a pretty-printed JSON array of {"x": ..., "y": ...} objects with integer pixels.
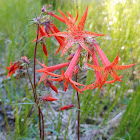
[
  {"x": 12, "y": 68},
  {"x": 67, "y": 76},
  {"x": 110, "y": 69},
  {"x": 76, "y": 33},
  {"x": 48, "y": 70}
]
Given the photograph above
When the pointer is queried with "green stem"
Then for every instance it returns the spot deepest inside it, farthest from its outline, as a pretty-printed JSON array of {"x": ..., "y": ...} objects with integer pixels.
[{"x": 68, "y": 125}]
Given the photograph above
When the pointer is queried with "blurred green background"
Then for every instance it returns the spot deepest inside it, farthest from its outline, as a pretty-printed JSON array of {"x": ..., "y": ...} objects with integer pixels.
[{"x": 119, "y": 20}]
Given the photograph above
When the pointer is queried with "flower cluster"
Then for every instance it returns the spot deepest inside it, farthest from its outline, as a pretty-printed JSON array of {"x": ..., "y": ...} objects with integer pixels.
[
  {"x": 82, "y": 42},
  {"x": 84, "y": 48}
]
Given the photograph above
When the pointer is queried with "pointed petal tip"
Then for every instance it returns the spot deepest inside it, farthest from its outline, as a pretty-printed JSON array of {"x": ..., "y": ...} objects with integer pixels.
[
  {"x": 101, "y": 34},
  {"x": 81, "y": 91},
  {"x": 61, "y": 55},
  {"x": 135, "y": 64}
]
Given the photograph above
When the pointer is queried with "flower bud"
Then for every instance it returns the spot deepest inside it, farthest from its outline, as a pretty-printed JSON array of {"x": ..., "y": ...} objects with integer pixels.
[
  {"x": 25, "y": 59},
  {"x": 66, "y": 107}
]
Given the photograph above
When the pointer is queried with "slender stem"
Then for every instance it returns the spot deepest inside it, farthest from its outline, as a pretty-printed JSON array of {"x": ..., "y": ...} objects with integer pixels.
[
  {"x": 41, "y": 125},
  {"x": 35, "y": 55},
  {"x": 29, "y": 77},
  {"x": 78, "y": 118}
]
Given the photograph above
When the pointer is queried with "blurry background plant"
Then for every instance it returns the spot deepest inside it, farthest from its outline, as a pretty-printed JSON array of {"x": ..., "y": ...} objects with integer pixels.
[{"x": 120, "y": 22}]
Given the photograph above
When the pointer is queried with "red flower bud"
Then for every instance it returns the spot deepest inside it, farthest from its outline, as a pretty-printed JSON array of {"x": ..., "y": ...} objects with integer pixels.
[
  {"x": 53, "y": 87},
  {"x": 48, "y": 98},
  {"x": 66, "y": 107},
  {"x": 44, "y": 49}
]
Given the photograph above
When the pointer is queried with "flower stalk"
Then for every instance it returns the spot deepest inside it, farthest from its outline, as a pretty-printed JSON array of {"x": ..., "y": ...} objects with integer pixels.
[
  {"x": 78, "y": 118},
  {"x": 41, "y": 121}
]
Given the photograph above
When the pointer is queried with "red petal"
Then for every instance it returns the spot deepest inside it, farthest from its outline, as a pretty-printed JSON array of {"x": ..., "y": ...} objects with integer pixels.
[
  {"x": 57, "y": 50},
  {"x": 115, "y": 76},
  {"x": 69, "y": 23},
  {"x": 82, "y": 44},
  {"x": 97, "y": 68},
  {"x": 76, "y": 83},
  {"x": 42, "y": 31},
  {"x": 88, "y": 87},
  {"x": 71, "y": 17},
  {"x": 44, "y": 75},
  {"x": 104, "y": 78},
  {"x": 68, "y": 45},
  {"x": 121, "y": 67},
  {"x": 62, "y": 34},
  {"x": 116, "y": 60},
  {"x": 81, "y": 23},
  {"x": 59, "y": 18},
  {"x": 8, "y": 68},
  {"x": 90, "y": 34},
  {"x": 43, "y": 65},
  {"x": 54, "y": 28},
  {"x": 44, "y": 49},
  {"x": 113, "y": 81},
  {"x": 77, "y": 16},
  {"x": 76, "y": 88}
]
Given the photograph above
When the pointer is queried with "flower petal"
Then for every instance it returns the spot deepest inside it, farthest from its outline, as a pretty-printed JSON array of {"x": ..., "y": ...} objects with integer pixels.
[
  {"x": 68, "y": 45},
  {"x": 82, "y": 43},
  {"x": 122, "y": 67},
  {"x": 82, "y": 21},
  {"x": 97, "y": 68},
  {"x": 116, "y": 60},
  {"x": 69, "y": 23},
  {"x": 90, "y": 34}
]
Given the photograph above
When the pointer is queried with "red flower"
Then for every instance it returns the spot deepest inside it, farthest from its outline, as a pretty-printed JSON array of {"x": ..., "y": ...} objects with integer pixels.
[
  {"x": 66, "y": 107},
  {"x": 48, "y": 98},
  {"x": 76, "y": 33},
  {"x": 12, "y": 68},
  {"x": 67, "y": 76},
  {"x": 97, "y": 73},
  {"x": 47, "y": 70},
  {"x": 110, "y": 69}
]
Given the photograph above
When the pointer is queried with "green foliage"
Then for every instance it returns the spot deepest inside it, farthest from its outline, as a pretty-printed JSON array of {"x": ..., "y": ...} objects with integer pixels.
[
  {"x": 129, "y": 124},
  {"x": 16, "y": 36}
]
